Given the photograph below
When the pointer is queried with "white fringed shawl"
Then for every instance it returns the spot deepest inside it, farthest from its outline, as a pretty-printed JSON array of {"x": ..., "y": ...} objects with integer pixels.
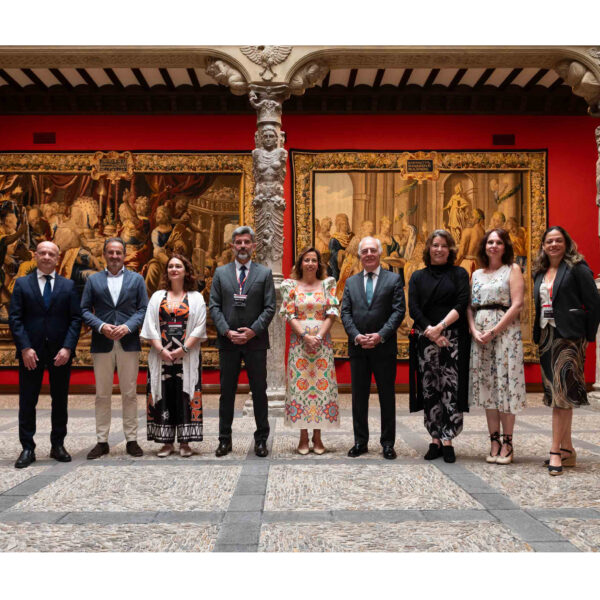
[{"x": 196, "y": 327}]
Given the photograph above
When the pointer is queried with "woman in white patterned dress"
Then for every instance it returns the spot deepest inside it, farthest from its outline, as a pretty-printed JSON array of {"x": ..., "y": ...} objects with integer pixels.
[
  {"x": 497, "y": 381},
  {"x": 310, "y": 306}
]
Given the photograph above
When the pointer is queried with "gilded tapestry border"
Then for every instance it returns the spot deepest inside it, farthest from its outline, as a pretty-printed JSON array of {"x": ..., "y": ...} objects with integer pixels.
[{"x": 305, "y": 164}]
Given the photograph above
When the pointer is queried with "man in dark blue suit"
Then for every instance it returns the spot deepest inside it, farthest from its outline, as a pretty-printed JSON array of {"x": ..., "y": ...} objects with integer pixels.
[
  {"x": 45, "y": 321},
  {"x": 114, "y": 304}
]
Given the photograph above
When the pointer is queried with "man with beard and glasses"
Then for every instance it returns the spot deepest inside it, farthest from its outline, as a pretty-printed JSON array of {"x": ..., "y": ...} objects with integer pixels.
[
  {"x": 242, "y": 304},
  {"x": 114, "y": 304}
]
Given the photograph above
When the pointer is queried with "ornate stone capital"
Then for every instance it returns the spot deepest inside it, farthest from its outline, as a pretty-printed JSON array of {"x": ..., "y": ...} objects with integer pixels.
[
  {"x": 267, "y": 100},
  {"x": 227, "y": 75},
  {"x": 582, "y": 81},
  {"x": 308, "y": 76}
]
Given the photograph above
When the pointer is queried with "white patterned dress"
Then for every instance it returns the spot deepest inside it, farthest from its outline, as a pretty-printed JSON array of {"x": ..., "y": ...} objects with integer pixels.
[
  {"x": 497, "y": 379},
  {"x": 312, "y": 399}
]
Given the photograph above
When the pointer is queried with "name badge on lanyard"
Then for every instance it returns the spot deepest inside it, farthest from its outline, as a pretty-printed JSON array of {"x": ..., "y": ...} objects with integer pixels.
[
  {"x": 175, "y": 329},
  {"x": 239, "y": 300}
]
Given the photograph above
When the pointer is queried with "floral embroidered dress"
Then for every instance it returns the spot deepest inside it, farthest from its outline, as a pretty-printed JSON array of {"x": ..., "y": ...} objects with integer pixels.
[
  {"x": 311, "y": 399},
  {"x": 497, "y": 377}
]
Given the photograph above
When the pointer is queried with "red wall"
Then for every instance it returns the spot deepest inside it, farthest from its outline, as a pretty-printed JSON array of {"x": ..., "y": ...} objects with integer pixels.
[{"x": 570, "y": 143}]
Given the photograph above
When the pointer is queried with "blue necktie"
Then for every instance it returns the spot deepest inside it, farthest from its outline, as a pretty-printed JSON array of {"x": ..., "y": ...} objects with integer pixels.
[
  {"x": 47, "y": 290},
  {"x": 242, "y": 278},
  {"x": 369, "y": 288}
]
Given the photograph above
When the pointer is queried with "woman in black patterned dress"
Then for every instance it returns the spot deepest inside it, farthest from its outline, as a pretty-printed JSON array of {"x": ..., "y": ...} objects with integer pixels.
[
  {"x": 567, "y": 307},
  {"x": 175, "y": 325},
  {"x": 438, "y": 296}
]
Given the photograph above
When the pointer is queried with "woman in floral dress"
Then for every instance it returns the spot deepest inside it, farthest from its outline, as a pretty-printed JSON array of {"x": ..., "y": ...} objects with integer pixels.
[
  {"x": 310, "y": 307},
  {"x": 497, "y": 377}
]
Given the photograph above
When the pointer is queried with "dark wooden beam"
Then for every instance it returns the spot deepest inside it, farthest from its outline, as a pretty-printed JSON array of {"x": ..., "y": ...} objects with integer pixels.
[
  {"x": 63, "y": 80},
  {"x": 539, "y": 75},
  {"x": 405, "y": 77},
  {"x": 192, "y": 75},
  {"x": 38, "y": 82},
  {"x": 140, "y": 78},
  {"x": 556, "y": 84},
  {"x": 431, "y": 78},
  {"x": 484, "y": 77},
  {"x": 167, "y": 78},
  {"x": 88, "y": 78},
  {"x": 12, "y": 82},
  {"x": 352, "y": 79},
  {"x": 509, "y": 79},
  {"x": 459, "y": 75},
  {"x": 378, "y": 78},
  {"x": 325, "y": 83},
  {"x": 113, "y": 77}
]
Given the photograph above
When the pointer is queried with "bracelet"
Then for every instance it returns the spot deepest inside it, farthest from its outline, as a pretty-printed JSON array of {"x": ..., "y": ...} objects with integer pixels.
[
  {"x": 319, "y": 337},
  {"x": 443, "y": 324},
  {"x": 184, "y": 348}
]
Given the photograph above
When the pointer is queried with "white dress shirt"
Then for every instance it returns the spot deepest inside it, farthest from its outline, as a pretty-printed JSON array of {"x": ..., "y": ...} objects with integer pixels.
[
  {"x": 115, "y": 283},
  {"x": 375, "y": 278},
  {"x": 42, "y": 280}
]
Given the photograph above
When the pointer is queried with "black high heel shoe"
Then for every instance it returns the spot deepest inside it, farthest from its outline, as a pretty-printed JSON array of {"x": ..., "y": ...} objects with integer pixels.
[
  {"x": 505, "y": 460},
  {"x": 554, "y": 470}
]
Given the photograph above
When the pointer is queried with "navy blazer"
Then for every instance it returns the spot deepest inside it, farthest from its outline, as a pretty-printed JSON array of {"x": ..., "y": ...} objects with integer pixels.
[
  {"x": 259, "y": 309},
  {"x": 384, "y": 316},
  {"x": 575, "y": 302},
  {"x": 97, "y": 307},
  {"x": 35, "y": 326}
]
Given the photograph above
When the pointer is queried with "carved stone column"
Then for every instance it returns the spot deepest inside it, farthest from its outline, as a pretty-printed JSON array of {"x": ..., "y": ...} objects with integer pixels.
[
  {"x": 269, "y": 169},
  {"x": 594, "y": 396}
]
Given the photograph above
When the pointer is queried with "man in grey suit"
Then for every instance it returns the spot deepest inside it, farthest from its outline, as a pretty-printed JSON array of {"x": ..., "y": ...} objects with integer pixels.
[
  {"x": 242, "y": 304},
  {"x": 372, "y": 310},
  {"x": 114, "y": 304}
]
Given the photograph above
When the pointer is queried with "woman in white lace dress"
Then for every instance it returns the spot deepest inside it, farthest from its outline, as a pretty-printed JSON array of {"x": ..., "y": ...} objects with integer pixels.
[{"x": 497, "y": 380}]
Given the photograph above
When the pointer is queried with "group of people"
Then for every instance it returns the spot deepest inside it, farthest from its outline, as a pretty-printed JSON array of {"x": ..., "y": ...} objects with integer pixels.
[{"x": 465, "y": 345}]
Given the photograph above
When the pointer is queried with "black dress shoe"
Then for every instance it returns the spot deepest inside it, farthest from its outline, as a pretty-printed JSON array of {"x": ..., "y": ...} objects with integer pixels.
[
  {"x": 357, "y": 450},
  {"x": 223, "y": 449},
  {"x": 260, "y": 449},
  {"x": 133, "y": 449},
  {"x": 60, "y": 454},
  {"x": 389, "y": 452},
  {"x": 435, "y": 451},
  {"x": 26, "y": 457},
  {"x": 98, "y": 450},
  {"x": 448, "y": 454}
]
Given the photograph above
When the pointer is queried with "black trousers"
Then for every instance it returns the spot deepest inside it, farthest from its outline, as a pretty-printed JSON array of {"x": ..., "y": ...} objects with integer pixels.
[
  {"x": 256, "y": 366},
  {"x": 30, "y": 383},
  {"x": 383, "y": 366}
]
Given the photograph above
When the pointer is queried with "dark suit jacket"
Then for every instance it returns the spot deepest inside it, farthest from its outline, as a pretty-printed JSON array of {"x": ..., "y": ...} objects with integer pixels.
[
  {"x": 383, "y": 316},
  {"x": 259, "y": 309},
  {"x": 575, "y": 301},
  {"x": 35, "y": 326},
  {"x": 98, "y": 307}
]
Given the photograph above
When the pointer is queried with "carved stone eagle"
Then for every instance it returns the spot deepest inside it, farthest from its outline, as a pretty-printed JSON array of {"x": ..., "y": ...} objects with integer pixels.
[{"x": 267, "y": 57}]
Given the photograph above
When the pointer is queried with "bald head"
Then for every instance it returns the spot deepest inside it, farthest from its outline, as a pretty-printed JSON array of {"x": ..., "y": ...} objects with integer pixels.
[{"x": 46, "y": 256}]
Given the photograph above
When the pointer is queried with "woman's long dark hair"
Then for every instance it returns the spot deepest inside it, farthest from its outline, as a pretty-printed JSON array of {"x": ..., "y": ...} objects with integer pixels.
[
  {"x": 571, "y": 257},
  {"x": 297, "y": 270},
  {"x": 190, "y": 283}
]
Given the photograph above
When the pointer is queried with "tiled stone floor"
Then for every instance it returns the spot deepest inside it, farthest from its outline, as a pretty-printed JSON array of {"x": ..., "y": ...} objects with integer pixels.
[{"x": 293, "y": 503}]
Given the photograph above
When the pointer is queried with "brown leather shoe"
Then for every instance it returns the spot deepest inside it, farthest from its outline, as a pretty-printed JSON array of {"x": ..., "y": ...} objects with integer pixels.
[
  {"x": 133, "y": 449},
  {"x": 98, "y": 450}
]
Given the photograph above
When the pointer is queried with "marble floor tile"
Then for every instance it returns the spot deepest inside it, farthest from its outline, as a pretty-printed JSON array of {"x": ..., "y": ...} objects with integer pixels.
[
  {"x": 10, "y": 477},
  {"x": 340, "y": 487},
  {"x": 74, "y": 425},
  {"x": 582, "y": 533},
  {"x": 130, "y": 488},
  {"x": 530, "y": 485},
  {"x": 160, "y": 537},
  {"x": 10, "y": 447},
  {"x": 582, "y": 419},
  {"x": 389, "y": 537}
]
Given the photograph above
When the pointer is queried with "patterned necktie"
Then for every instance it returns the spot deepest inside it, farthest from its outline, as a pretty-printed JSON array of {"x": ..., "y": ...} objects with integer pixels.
[
  {"x": 242, "y": 278},
  {"x": 47, "y": 290},
  {"x": 369, "y": 288}
]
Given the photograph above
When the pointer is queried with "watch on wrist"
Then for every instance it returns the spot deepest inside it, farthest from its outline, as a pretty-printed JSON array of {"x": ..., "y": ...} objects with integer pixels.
[
  {"x": 443, "y": 324},
  {"x": 184, "y": 348},
  {"x": 319, "y": 337}
]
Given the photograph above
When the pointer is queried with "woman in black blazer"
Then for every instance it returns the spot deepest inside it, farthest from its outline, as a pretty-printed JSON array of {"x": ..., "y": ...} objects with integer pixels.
[{"x": 567, "y": 306}]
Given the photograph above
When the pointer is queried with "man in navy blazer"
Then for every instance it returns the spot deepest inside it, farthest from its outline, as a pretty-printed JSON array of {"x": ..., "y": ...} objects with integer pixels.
[
  {"x": 45, "y": 321},
  {"x": 372, "y": 310},
  {"x": 114, "y": 304}
]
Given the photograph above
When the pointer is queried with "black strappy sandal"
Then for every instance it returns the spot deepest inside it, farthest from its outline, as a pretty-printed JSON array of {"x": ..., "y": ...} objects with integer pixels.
[
  {"x": 494, "y": 437},
  {"x": 568, "y": 461},
  {"x": 555, "y": 470},
  {"x": 505, "y": 460}
]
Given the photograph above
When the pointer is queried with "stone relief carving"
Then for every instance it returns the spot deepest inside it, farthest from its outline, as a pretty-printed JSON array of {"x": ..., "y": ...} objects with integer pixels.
[
  {"x": 266, "y": 57},
  {"x": 267, "y": 101},
  {"x": 595, "y": 52},
  {"x": 226, "y": 75},
  {"x": 269, "y": 170},
  {"x": 308, "y": 76},
  {"x": 582, "y": 81}
]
